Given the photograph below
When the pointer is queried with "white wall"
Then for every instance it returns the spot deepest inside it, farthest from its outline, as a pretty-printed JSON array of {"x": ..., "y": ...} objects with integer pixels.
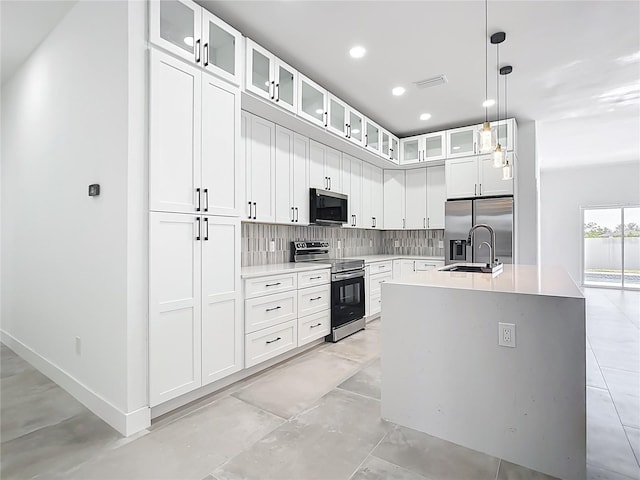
[
  {"x": 562, "y": 194},
  {"x": 526, "y": 186},
  {"x": 74, "y": 265}
]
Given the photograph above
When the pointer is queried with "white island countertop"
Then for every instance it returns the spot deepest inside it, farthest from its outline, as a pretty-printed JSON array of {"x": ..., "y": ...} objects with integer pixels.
[
  {"x": 521, "y": 279},
  {"x": 279, "y": 268}
]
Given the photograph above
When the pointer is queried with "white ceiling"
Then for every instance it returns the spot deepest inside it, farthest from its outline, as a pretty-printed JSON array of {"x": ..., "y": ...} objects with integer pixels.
[
  {"x": 575, "y": 64},
  {"x": 24, "y": 24}
]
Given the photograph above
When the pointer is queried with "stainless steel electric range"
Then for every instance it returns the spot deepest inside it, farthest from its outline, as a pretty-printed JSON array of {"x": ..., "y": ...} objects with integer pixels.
[{"x": 347, "y": 287}]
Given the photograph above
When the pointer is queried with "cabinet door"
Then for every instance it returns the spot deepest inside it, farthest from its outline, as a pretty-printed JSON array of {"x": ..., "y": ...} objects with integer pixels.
[
  {"x": 461, "y": 142},
  {"x": 385, "y": 144},
  {"x": 245, "y": 139},
  {"x": 221, "y": 159},
  {"x": 346, "y": 187},
  {"x": 372, "y": 136},
  {"x": 312, "y": 101},
  {"x": 174, "y": 143},
  {"x": 436, "y": 197},
  {"x": 286, "y": 88},
  {"x": 394, "y": 201},
  {"x": 317, "y": 176},
  {"x": 416, "y": 198},
  {"x": 222, "y": 334},
  {"x": 377, "y": 196},
  {"x": 174, "y": 305},
  {"x": 284, "y": 208},
  {"x": 175, "y": 25},
  {"x": 259, "y": 71},
  {"x": 490, "y": 180},
  {"x": 367, "y": 196},
  {"x": 356, "y": 127},
  {"x": 261, "y": 157},
  {"x": 333, "y": 168},
  {"x": 300, "y": 185},
  {"x": 221, "y": 48},
  {"x": 461, "y": 177},
  {"x": 337, "y": 117},
  {"x": 504, "y": 133},
  {"x": 410, "y": 150},
  {"x": 434, "y": 146},
  {"x": 394, "y": 150},
  {"x": 356, "y": 198}
]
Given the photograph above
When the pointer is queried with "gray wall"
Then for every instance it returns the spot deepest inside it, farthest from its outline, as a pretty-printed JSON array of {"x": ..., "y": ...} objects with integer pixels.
[{"x": 527, "y": 182}]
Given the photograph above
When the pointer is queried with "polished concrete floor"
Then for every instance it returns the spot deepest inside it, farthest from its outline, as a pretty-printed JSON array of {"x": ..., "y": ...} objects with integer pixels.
[{"x": 314, "y": 417}]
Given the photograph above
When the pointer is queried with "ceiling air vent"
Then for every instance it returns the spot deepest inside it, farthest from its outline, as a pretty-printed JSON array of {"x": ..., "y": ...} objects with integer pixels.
[{"x": 432, "y": 82}]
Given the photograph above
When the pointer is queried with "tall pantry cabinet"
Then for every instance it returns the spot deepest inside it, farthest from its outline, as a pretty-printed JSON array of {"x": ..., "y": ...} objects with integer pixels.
[{"x": 195, "y": 328}]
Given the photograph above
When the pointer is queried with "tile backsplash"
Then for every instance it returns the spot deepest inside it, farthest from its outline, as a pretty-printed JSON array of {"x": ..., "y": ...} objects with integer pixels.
[{"x": 343, "y": 242}]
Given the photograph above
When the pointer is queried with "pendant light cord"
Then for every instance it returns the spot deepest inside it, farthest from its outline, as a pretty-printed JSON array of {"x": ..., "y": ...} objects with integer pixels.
[
  {"x": 498, "y": 81},
  {"x": 505, "y": 103},
  {"x": 486, "y": 58}
]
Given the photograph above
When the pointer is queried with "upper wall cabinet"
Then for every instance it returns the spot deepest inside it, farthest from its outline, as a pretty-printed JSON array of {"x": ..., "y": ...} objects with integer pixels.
[
  {"x": 344, "y": 120},
  {"x": 271, "y": 78},
  {"x": 423, "y": 148},
  {"x": 372, "y": 136},
  {"x": 389, "y": 146},
  {"x": 187, "y": 30},
  {"x": 312, "y": 101},
  {"x": 506, "y": 134},
  {"x": 462, "y": 142}
]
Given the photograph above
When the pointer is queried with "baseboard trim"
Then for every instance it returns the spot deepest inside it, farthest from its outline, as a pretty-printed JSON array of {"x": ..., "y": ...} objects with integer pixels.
[{"x": 125, "y": 423}]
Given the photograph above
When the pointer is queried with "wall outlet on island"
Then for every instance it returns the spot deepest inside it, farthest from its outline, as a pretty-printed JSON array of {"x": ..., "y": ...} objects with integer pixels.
[{"x": 507, "y": 334}]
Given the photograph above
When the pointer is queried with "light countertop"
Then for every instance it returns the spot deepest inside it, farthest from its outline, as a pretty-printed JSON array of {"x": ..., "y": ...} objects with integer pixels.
[
  {"x": 382, "y": 258},
  {"x": 279, "y": 268},
  {"x": 521, "y": 279}
]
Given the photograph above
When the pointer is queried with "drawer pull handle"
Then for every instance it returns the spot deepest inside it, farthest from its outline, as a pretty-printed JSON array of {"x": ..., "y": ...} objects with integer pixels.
[
  {"x": 274, "y": 308},
  {"x": 315, "y": 278},
  {"x": 316, "y": 325},
  {"x": 315, "y": 298},
  {"x": 272, "y": 284},
  {"x": 382, "y": 266},
  {"x": 275, "y": 340}
]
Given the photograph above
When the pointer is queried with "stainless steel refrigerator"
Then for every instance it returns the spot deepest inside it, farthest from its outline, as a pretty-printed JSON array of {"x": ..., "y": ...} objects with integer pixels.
[{"x": 461, "y": 215}]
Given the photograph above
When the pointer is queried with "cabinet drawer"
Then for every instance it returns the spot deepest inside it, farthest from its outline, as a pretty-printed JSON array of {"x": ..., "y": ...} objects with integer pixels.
[
  {"x": 314, "y": 277},
  {"x": 263, "y": 312},
  {"x": 313, "y": 327},
  {"x": 376, "y": 303},
  {"x": 314, "y": 299},
  {"x": 425, "y": 265},
  {"x": 376, "y": 280},
  {"x": 256, "y": 287},
  {"x": 270, "y": 342},
  {"x": 381, "y": 267}
]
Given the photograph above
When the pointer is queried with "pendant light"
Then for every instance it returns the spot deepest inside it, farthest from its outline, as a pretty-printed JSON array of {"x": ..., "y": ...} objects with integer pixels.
[
  {"x": 498, "y": 153},
  {"x": 507, "y": 170},
  {"x": 485, "y": 136}
]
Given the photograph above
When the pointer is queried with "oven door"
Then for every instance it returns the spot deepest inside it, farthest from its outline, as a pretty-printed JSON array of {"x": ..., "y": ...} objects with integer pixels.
[{"x": 347, "y": 298}]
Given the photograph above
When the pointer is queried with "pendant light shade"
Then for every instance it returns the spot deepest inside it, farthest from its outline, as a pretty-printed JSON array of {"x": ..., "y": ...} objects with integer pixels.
[
  {"x": 499, "y": 157},
  {"x": 486, "y": 138},
  {"x": 507, "y": 171}
]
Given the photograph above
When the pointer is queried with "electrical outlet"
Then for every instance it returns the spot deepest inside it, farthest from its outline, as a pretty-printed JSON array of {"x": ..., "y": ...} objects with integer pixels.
[
  {"x": 339, "y": 244},
  {"x": 507, "y": 334},
  {"x": 272, "y": 246},
  {"x": 78, "y": 346},
  {"x": 440, "y": 244},
  {"x": 396, "y": 243}
]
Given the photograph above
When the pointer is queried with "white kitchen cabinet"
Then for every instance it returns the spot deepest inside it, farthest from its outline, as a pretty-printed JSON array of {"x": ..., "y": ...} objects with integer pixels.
[
  {"x": 270, "y": 78},
  {"x": 325, "y": 167},
  {"x": 372, "y": 137},
  {"x": 402, "y": 267},
  {"x": 356, "y": 127},
  {"x": 475, "y": 177},
  {"x": 395, "y": 150},
  {"x": 462, "y": 142},
  {"x": 300, "y": 178},
  {"x": 185, "y": 29},
  {"x": 194, "y": 311},
  {"x": 427, "y": 265},
  {"x": 338, "y": 112},
  {"x": 411, "y": 149},
  {"x": 377, "y": 196},
  {"x": 506, "y": 132},
  {"x": 385, "y": 144},
  {"x": 259, "y": 148},
  {"x": 313, "y": 327},
  {"x": 312, "y": 101},
  {"x": 194, "y": 140},
  {"x": 356, "y": 193},
  {"x": 423, "y": 148},
  {"x": 435, "y": 146},
  {"x": 270, "y": 342},
  {"x": 284, "y": 208},
  {"x": 416, "y": 198},
  {"x": 394, "y": 199},
  {"x": 436, "y": 196}
]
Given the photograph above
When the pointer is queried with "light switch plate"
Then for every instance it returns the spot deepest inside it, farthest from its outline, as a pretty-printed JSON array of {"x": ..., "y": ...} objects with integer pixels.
[{"x": 507, "y": 334}]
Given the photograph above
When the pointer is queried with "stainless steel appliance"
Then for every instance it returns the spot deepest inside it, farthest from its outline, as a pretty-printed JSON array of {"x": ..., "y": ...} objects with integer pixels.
[
  {"x": 347, "y": 287},
  {"x": 461, "y": 215},
  {"x": 327, "y": 207}
]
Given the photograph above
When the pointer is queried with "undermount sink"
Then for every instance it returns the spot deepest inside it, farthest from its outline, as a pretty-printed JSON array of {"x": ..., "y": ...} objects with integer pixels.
[{"x": 472, "y": 268}]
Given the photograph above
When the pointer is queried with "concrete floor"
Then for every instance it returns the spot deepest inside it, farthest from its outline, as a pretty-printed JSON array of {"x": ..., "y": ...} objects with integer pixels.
[{"x": 316, "y": 416}]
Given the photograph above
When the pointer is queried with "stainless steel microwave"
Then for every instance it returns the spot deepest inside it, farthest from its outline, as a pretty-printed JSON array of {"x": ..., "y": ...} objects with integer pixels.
[{"x": 327, "y": 208}]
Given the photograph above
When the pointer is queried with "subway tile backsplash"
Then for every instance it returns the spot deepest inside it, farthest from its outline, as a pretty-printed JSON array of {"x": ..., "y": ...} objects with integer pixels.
[{"x": 257, "y": 238}]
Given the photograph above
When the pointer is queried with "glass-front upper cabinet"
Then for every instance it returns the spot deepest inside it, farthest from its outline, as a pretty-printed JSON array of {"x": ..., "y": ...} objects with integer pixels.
[
  {"x": 461, "y": 142},
  {"x": 338, "y": 112},
  {"x": 372, "y": 136},
  {"x": 504, "y": 131},
  {"x": 355, "y": 131},
  {"x": 269, "y": 77},
  {"x": 385, "y": 144},
  {"x": 312, "y": 101},
  {"x": 221, "y": 48},
  {"x": 411, "y": 150},
  {"x": 434, "y": 146},
  {"x": 395, "y": 155},
  {"x": 187, "y": 30}
]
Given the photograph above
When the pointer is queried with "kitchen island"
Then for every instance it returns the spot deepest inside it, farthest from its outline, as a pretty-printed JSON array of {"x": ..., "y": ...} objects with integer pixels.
[{"x": 443, "y": 372}]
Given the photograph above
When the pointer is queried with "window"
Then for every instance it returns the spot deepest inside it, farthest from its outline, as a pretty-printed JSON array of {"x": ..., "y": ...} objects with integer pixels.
[{"x": 611, "y": 247}]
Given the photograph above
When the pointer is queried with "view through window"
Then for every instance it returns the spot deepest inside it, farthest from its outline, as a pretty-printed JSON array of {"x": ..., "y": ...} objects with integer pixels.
[{"x": 611, "y": 247}]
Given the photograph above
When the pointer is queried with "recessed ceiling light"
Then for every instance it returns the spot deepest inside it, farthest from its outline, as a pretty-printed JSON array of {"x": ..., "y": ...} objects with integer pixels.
[
  {"x": 425, "y": 116},
  {"x": 357, "y": 52},
  {"x": 188, "y": 41},
  {"x": 398, "y": 91},
  {"x": 490, "y": 102},
  {"x": 319, "y": 111}
]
